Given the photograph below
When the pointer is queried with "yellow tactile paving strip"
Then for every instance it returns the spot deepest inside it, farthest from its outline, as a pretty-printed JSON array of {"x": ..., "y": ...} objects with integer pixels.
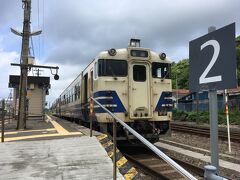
[
  {"x": 38, "y": 136},
  {"x": 37, "y": 130},
  {"x": 57, "y": 128}
]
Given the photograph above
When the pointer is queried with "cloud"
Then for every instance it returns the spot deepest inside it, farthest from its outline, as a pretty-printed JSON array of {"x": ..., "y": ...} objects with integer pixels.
[
  {"x": 5, "y": 59},
  {"x": 74, "y": 32},
  {"x": 81, "y": 29},
  {"x": 9, "y": 9}
]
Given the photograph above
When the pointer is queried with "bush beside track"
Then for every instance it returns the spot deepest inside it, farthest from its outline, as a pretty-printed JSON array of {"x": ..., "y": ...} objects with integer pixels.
[{"x": 203, "y": 117}]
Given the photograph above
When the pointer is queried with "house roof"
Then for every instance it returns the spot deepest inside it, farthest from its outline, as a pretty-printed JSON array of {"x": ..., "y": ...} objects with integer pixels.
[
  {"x": 181, "y": 91},
  {"x": 40, "y": 80}
]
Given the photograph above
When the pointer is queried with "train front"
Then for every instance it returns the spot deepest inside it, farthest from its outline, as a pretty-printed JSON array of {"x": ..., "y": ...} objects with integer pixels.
[{"x": 141, "y": 96}]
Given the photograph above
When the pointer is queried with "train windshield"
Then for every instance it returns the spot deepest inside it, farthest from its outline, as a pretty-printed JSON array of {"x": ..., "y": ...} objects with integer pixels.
[
  {"x": 112, "y": 67},
  {"x": 161, "y": 70}
]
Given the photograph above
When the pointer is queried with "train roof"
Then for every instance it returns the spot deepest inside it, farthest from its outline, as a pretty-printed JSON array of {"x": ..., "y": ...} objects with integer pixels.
[{"x": 123, "y": 53}]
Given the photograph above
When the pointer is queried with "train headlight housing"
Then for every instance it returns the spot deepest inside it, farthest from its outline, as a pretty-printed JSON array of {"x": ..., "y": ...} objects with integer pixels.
[
  {"x": 162, "y": 56},
  {"x": 112, "y": 52}
]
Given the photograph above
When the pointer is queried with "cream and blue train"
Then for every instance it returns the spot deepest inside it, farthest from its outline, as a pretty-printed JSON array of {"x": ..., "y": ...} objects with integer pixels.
[{"x": 133, "y": 82}]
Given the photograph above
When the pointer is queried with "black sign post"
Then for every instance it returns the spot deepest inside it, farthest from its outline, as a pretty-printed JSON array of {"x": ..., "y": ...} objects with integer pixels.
[{"x": 212, "y": 68}]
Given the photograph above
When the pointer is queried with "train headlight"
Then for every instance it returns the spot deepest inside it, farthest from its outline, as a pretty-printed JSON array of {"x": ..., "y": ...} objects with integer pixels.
[
  {"x": 112, "y": 52},
  {"x": 162, "y": 56}
]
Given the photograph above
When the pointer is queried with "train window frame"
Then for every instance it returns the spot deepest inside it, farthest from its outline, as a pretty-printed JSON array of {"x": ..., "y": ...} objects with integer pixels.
[
  {"x": 139, "y": 53},
  {"x": 163, "y": 75},
  {"x": 103, "y": 72},
  {"x": 136, "y": 76},
  {"x": 95, "y": 71}
]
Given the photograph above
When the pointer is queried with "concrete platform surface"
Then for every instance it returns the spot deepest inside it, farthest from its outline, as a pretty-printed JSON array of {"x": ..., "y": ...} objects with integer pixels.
[
  {"x": 39, "y": 129},
  {"x": 70, "y": 158}
]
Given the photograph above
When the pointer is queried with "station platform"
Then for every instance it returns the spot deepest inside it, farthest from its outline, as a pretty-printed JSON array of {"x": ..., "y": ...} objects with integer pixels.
[
  {"x": 54, "y": 149},
  {"x": 69, "y": 158}
]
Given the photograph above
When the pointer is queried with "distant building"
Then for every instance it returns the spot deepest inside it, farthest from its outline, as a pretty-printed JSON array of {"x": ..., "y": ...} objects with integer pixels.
[
  {"x": 37, "y": 89},
  {"x": 178, "y": 94},
  {"x": 200, "y": 101}
]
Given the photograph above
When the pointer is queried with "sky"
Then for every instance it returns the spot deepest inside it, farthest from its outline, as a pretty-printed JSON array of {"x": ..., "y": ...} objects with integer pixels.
[{"x": 75, "y": 31}]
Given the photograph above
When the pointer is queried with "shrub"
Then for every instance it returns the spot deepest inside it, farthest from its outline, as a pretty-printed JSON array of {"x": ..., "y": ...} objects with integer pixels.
[{"x": 203, "y": 117}]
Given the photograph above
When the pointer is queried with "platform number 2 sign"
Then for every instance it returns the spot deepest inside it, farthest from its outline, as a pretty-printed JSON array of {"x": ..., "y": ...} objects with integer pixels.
[
  {"x": 212, "y": 60},
  {"x": 216, "y": 50}
]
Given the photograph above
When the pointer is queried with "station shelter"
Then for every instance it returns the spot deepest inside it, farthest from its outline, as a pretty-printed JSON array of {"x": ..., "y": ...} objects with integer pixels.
[{"x": 37, "y": 89}]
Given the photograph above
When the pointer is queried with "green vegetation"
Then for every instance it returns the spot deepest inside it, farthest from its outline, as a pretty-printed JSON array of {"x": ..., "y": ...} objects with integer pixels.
[
  {"x": 203, "y": 117},
  {"x": 238, "y": 58},
  {"x": 181, "y": 70}
]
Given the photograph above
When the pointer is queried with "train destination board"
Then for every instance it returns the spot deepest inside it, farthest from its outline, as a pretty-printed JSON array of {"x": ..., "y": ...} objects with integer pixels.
[{"x": 213, "y": 60}]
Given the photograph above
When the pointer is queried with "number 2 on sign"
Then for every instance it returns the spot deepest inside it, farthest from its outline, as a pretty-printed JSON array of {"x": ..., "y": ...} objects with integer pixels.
[{"x": 203, "y": 79}]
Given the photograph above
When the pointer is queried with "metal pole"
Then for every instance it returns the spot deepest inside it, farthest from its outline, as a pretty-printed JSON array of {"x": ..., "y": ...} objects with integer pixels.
[
  {"x": 114, "y": 150},
  {"x": 91, "y": 115},
  {"x": 91, "y": 126},
  {"x": 24, "y": 61},
  {"x": 197, "y": 96},
  {"x": 177, "y": 92},
  {"x": 214, "y": 127},
  {"x": 227, "y": 117},
  {"x": 36, "y": 66},
  {"x": 3, "y": 125},
  {"x": 210, "y": 173},
  {"x": 213, "y": 109}
]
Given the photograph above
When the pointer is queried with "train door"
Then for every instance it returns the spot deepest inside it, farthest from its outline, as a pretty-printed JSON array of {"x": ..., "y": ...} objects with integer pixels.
[
  {"x": 91, "y": 83},
  {"x": 139, "y": 91},
  {"x": 85, "y": 88}
]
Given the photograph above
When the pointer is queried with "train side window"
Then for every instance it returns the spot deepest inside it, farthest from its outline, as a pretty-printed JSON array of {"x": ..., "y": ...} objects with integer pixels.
[
  {"x": 91, "y": 80},
  {"x": 95, "y": 70},
  {"x": 139, "y": 73},
  {"x": 161, "y": 70},
  {"x": 100, "y": 67}
]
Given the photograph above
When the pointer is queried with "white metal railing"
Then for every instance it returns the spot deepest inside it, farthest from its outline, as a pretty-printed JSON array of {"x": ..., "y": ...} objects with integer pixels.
[{"x": 172, "y": 163}]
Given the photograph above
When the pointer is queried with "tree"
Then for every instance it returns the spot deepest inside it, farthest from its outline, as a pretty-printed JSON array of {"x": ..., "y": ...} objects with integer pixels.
[{"x": 180, "y": 71}]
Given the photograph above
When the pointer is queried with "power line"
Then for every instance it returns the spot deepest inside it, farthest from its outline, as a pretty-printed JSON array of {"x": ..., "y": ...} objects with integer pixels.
[
  {"x": 43, "y": 24},
  {"x": 39, "y": 37},
  {"x": 32, "y": 47}
]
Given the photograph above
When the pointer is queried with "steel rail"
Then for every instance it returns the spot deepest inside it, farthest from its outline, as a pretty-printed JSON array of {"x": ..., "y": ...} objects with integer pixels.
[
  {"x": 172, "y": 163},
  {"x": 235, "y": 136},
  {"x": 146, "y": 168}
]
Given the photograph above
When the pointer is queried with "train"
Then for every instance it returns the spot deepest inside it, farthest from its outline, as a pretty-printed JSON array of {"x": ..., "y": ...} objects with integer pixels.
[{"x": 134, "y": 83}]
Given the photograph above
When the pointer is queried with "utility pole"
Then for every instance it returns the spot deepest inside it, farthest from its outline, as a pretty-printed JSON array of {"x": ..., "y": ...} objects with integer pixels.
[
  {"x": 24, "y": 69},
  {"x": 24, "y": 63}
]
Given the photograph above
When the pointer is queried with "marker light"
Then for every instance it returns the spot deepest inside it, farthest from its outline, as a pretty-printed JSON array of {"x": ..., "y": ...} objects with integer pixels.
[
  {"x": 162, "y": 56},
  {"x": 112, "y": 52}
]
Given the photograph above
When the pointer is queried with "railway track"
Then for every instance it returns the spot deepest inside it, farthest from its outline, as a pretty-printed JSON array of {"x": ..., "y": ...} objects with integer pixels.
[
  {"x": 235, "y": 136},
  {"x": 154, "y": 167}
]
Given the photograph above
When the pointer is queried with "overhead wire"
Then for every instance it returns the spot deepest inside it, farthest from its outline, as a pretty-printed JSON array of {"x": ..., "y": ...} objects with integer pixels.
[
  {"x": 32, "y": 46},
  {"x": 38, "y": 22},
  {"x": 43, "y": 25}
]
